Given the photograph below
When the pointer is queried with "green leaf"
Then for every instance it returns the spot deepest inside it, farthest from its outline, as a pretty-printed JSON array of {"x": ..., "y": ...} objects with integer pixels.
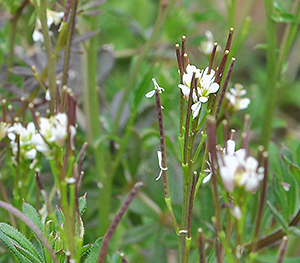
[
  {"x": 134, "y": 155},
  {"x": 284, "y": 18},
  {"x": 271, "y": 259},
  {"x": 295, "y": 230},
  {"x": 33, "y": 215},
  {"x": 19, "y": 244},
  {"x": 116, "y": 258},
  {"x": 280, "y": 196},
  {"x": 94, "y": 252},
  {"x": 138, "y": 234},
  {"x": 278, "y": 217},
  {"x": 145, "y": 86},
  {"x": 295, "y": 171},
  {"x": 82, "y": 204},
  {"x": 85, "y": 249}
]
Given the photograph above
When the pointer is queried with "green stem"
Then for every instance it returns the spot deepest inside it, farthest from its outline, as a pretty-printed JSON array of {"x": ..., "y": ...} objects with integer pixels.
[
  {"x": 91, "y": 107},
  {"x": 164, "y": 8},
  {"x": 12, "y": 37},
  {"x": 272, "y": 76},
  {"x": 49, "y": 52}
]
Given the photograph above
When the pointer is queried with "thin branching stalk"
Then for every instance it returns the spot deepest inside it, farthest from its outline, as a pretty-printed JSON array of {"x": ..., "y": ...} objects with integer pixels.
[
  {"x": 70, "y": 30},
  {"x": 272, "y": 85},
  {"x": 282, "y": 249},
  {"x": 224, "y": 87},
  {"x": 261, "y": 203},
  {"x": 212, "y": 143},
  {"x": 181, "y": 70},
  {"x": 112, "y": 228},
  {"x": 12, "y": 35},
  {"x": 49, "y": 52},
  {"x": 217, "y": 240},
  {"x": 201, "y": 246},
  {"x": 162, "y": 142}
]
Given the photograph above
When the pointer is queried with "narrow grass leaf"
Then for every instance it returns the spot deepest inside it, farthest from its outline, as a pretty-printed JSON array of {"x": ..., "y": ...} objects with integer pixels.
[{"x": 278, "y": 217}]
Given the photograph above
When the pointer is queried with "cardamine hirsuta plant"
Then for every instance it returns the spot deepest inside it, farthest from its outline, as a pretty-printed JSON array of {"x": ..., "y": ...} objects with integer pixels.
[
  {"x": 237, "y": 179},
  {"x": 79, "y": 143}
]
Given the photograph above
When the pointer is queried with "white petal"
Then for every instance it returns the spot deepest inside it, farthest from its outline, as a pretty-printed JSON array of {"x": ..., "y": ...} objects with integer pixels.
[
  {"x": 195, "y": 109},
  {"x": 31, "y": 154},
  {"x": 185, "y": 90},
  {"x": 37, "y": 36},
  {"x": 230, "y": 147},
  {"x": 47, "y": 95},
  {"x": 150, "y": 94},
  {"x": 207, "y": 178},
  {"x": 72, "y": 136},
  {"x": 203, "y": 99},
  {"x": 243, "y": 104},
  {"x": 214, "y": 88}
]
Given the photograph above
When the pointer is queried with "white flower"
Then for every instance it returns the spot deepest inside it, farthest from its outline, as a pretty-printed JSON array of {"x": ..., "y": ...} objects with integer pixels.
[
  {"x": 159, "y": 156},
  {"x": 27, "y": 149},
  {"x": 207, "y": 46},
  {"x": 53, "y": 131},
  {"x": 238, "y": 170},
  {"x": 235, "y": 97},
  {"x": 156, "y": 87},
  {"x": 52, "y": 18},
  {"x": 205, "y": 87}
]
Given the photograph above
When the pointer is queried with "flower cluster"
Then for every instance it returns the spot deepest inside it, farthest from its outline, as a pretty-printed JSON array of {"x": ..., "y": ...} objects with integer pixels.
[
  {"x": 205, "y": 86},
  {"x": 52, "y": 18},
  {"x": 51, "y": 134},
  {"x": 234, "y": 95},
  {"x": 53, "y": 131},
  {"x": 21, "y": 140},
  {"x": 237, "y": 169}
]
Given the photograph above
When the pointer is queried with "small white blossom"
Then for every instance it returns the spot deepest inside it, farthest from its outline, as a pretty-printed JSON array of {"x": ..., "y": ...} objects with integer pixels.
[
  {"x": 159, "y": 156},
  {"x": 236, "y": 212},
  {"x": 52, "y": 18},
  {"x": 205, "y": 87},
  {"x": 53, "y": 131},
  {"x": 238, "y": 170},
  {"x": 47, "y": 95},
  {"x": 235, "y": 97},
  {"x": 207, "y": 46},
  {"x": 27, "y": 149},
  {"x": 156, "y": 87}
]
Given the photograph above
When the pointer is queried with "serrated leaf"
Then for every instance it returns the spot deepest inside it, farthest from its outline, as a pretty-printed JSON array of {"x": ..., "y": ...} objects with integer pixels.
[
  {"x": 28, "y": 255},
  {"x": 82, "y": 205},
  {"x": 85, "y": 249},
  {"x": 278, "y": 217},
  {"x": 33, "y": 215},
  {"x": 94, "y": 252},
  {"x": 7, "y": 242},
  {"x": 12, "y": 238}
]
